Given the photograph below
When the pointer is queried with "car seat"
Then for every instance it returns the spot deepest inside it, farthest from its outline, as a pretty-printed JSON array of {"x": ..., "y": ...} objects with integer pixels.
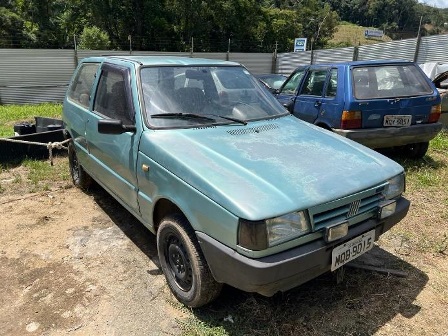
[{"x": 190, "y": 99}]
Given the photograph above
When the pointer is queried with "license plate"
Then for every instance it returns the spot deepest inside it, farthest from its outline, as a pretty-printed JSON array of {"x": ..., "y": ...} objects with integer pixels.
[
  {"x": 352, "y": 249},
  {"x": 397, "y": 120}
]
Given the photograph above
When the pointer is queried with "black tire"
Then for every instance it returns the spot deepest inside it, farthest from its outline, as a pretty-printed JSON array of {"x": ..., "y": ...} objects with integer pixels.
[
  {"x": 185, "y": 268},
  {"x": 415, "y": 151},
  {"x": 80, "y": 178}
]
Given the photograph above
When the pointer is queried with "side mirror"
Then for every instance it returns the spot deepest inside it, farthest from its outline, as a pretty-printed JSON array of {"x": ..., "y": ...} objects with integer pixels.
[{"x": 114, "y": 126}]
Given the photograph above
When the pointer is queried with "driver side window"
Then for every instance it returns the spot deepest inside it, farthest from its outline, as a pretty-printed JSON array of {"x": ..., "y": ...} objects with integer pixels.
[
  {"x": 291, "y": 85},
  {"x": 111, "y": 99}
]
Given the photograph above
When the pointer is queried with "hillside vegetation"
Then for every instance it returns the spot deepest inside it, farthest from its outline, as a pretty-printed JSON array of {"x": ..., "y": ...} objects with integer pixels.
[{"x": 348, "y": 35}]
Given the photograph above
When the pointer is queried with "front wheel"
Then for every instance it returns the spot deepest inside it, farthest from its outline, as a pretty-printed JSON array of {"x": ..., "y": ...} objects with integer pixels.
[
  {"x": 416, "y": 150},
  {"x": 183, "y": 263},
  {"x": 79, "y": 177}
]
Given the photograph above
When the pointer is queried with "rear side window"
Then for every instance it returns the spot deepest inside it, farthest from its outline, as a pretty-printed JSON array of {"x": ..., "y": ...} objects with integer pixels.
[
  {"x": 332, "y": 84},
  {"x": 389, "y": 81},
  {"x": 79, "y": 91}
]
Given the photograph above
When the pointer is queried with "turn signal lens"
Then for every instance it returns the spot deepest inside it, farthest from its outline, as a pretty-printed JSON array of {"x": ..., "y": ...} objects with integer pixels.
[
  {"x": 253, "y": 235},
  {"x": 434, "y": 116},
  {"x": 351, "y": 119},
  {"x": 387, "y": 209}
]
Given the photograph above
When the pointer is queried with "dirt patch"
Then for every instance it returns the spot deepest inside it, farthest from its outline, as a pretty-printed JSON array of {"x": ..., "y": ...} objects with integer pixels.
[
  {"x": 79, "y": 264},
  {"x": 68, "y": 265}
]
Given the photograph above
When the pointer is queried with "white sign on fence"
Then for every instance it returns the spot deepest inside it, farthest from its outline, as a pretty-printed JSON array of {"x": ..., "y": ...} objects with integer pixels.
[{"x": 300, "y": 44}]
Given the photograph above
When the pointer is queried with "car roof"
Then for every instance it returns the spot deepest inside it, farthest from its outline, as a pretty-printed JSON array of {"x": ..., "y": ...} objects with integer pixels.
[
  {"x": 161, "y": 60},
  {"x": 367, "y": 62}
]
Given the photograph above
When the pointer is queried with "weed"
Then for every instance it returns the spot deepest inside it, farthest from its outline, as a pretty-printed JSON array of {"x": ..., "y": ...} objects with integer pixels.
[
  {"x": 441, "y": 245},
  {"x": 440, "y": 142},
  {"x": 17, "y": 178}
]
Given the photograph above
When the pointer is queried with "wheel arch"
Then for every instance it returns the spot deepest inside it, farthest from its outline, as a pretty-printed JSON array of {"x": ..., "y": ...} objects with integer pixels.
[
  {"x": 323, "y": 124},
  {"x": 163, "y": 208}
]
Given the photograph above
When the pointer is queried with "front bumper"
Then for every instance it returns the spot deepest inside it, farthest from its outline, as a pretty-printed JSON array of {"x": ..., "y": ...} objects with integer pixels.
[
  {"x": 287, "y": 269},
  {"x": 392, "y": 136}
]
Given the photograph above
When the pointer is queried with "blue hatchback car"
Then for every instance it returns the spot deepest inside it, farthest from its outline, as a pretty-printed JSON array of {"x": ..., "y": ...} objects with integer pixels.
[{"x": 376, "y": 103}]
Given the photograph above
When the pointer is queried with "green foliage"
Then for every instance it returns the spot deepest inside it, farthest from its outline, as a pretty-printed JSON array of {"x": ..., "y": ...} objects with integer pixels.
[
  {"x": 251, "y": 25},
  {"x": 94, "y": 38},
  {"x": 12, "y": 114}
]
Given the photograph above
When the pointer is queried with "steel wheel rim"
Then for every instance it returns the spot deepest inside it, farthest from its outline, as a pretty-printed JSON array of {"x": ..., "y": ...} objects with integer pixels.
[{"x": 178, "y": 263}]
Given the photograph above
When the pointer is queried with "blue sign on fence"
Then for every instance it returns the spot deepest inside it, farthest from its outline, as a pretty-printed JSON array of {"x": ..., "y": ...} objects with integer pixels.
[{"x": 300, "y": 44}]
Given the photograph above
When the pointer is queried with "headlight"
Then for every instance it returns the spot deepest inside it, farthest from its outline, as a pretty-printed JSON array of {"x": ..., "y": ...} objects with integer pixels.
[
  {"x": 263, "y": 234},
  {"x": 286, "y": 227},
  {"x": 395, "y": 188}
]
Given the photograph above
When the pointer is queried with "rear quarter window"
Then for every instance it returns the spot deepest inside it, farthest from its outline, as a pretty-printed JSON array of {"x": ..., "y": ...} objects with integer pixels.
[
  {"x": 389, "y": 81},
  {"x": 79, "y": 91}
]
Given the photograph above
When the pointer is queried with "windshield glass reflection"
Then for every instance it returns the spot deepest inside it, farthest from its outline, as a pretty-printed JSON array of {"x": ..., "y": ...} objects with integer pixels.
[{"x": 223, "y": 94}]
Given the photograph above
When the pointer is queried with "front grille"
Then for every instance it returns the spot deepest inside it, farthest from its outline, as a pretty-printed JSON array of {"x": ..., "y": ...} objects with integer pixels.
[{"x": 354, "y": 208}]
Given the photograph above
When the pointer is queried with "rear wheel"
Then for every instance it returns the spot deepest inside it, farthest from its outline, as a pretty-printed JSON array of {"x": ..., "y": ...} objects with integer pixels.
[
  {"x": 80, "y": 178},
  {"x": 183, "y": 264},
  {"x": 416, "y": 150}
]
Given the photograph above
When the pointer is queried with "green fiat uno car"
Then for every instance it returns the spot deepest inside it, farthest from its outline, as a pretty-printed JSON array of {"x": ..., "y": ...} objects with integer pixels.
[{"x": 237, "y": 190}]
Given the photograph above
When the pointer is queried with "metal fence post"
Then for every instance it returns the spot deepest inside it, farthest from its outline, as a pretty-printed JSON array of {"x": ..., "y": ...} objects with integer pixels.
[
  {"x": 75, "y": 52},
  {"x": 355, "y": 53},
  {"x": 419, "y": 38},
  {"x": 274, "y": 59}
]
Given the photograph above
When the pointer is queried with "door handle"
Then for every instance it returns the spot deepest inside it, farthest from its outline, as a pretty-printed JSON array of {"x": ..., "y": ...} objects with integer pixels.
[{"x": 317, "y": 103}]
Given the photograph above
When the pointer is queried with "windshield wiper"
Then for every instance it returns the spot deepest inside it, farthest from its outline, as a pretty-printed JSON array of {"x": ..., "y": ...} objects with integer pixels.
[
  {"x": 182, "y": 116},
  {"x": 244, "y": 122}
]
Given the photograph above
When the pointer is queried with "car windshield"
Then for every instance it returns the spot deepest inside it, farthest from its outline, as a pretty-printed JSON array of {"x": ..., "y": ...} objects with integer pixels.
[
  {"x": 389, "y": 81},
  {"x": 190, "y": 96},
  {"x": 274, "y": 81}
]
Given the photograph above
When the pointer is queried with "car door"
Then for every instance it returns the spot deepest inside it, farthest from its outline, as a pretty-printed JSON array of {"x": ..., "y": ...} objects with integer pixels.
[
  {"x": 77, "y": 106},
  {"x": 114, "y": 156},
  {"x": 332, "y": 102},
  {"x": 308, "y": 103}
]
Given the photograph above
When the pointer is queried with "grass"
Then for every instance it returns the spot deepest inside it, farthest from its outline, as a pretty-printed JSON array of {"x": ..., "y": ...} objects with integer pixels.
[
  {"x": 33, "y": 175},
  {"x": 349, "y": 35},
  {"x": 432, "y": 170},
  {"x": 41, "y": 174},
  {"x": 13, "y": 114}
]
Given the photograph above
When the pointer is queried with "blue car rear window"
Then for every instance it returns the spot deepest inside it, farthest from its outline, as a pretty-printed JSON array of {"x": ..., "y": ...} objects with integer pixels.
[{"x": 389, "y": 81}]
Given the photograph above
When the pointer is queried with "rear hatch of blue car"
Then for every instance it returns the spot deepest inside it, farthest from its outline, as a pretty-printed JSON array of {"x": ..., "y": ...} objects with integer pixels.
[{"x": 392, "y": 95}]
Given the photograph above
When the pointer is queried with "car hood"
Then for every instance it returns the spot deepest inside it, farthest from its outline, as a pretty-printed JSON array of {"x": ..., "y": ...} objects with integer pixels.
[{"x": 268, "y": 168}]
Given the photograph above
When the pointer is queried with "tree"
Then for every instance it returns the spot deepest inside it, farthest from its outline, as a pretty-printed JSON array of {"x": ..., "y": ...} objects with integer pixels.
[
  {"x": 13, "y": 32},
  {"x": 94, "y": 38}
]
